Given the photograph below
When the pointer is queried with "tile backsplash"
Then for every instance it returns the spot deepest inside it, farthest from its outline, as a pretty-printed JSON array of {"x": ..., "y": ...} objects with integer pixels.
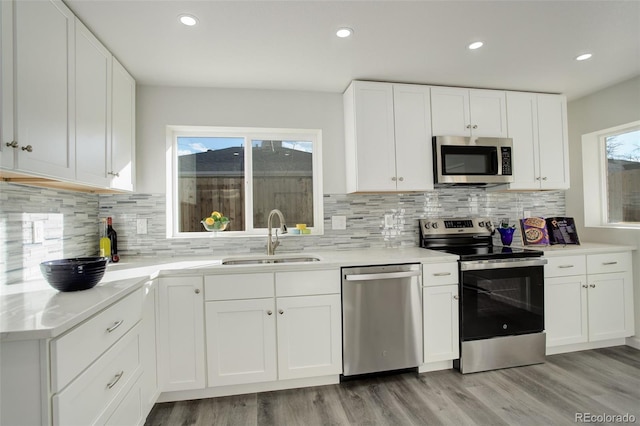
[{"x": 69, "y": 221}]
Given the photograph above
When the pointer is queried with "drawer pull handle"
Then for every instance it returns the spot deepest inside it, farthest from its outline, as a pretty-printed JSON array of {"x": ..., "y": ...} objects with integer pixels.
[
  {"x": 585, "y": 286},
  {"x": 269, "y": 312},
  {"x": 455, "y": 297},
  {"x": 114, "y": 326},
  {"x": 565, "y": 266},
  {"x": 609, "y": 263},
  {"x": 592, "y": 285},
  {"x": 280, "y": 311},
  {"x": 441, "y": 274},
  {"x": 115, "y": 380}
]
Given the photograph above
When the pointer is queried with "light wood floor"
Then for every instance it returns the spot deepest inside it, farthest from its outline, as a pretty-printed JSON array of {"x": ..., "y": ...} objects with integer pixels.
[{"x": 601, "y": 381}]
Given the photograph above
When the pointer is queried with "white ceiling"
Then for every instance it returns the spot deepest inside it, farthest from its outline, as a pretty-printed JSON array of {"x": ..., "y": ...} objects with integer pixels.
[{"x": 291, "y": 45}]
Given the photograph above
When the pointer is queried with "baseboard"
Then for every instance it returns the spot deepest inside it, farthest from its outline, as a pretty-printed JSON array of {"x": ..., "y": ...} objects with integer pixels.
[
  {"x": 634, "y": 342},
  {"x": 435, "y": 366},
  {"x": 586, "y": 346},
  {"x": 247, "y": 388}
]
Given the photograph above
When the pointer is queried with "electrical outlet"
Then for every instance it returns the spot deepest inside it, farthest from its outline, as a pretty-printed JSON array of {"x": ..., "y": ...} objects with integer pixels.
[
  {"x": 526, "y": 213},
  {"x": 388, "y": 221},
  {"x": 338, "y": 222},
  {"x": 141, "y": 225},
  {"x": 38, "y": 231}
]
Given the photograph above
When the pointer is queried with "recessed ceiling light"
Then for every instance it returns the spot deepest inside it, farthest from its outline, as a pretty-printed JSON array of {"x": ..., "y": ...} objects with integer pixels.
[
  {"x": 188, "y": 20},
  {"x": 475, "y": 45},
  {"x": 584, "y": 57},
  {"x": 344, "y": 32}
]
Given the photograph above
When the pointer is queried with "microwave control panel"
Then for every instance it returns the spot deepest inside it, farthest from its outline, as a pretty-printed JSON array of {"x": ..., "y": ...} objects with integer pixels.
[{"x": 505, "y": 153}]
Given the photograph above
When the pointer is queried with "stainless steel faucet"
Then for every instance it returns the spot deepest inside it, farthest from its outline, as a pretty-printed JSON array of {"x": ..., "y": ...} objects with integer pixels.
[{"x": 272, "y": 242}]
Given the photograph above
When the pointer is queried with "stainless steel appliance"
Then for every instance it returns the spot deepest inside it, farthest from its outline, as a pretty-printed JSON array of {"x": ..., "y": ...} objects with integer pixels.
[
  {"x": 463, "y": 160},
  {"x": 501, "y": 295},
  {"x": 381, "y": 318}
]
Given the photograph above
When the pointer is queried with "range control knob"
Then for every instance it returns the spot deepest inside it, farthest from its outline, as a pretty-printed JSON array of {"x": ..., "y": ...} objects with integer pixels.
[
  {"x": 434, "y": 225},
  {"x": 427, "y": 225},
  {"x": 481, "y": 224}
]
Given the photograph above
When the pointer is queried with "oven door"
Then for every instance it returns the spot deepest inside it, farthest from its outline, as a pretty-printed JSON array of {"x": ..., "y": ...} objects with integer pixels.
[{"x": 501, "y": 298}]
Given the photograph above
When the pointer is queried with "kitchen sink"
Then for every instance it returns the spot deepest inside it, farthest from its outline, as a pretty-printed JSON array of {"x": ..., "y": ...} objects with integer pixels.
[{"x": 269, "y": 260}]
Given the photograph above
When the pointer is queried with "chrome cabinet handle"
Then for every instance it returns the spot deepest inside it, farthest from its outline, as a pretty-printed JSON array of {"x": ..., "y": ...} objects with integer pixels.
[
  {"x": 401, "y": 179},
  {"x": 475, "y": 126},
  {"x": 114, "y": 174},
  {"x": 468, "y": 126},
  {"x": 585, "y": 286},
  {"x": 280, "y": 311},
  {"x": 114, "y": 326},
  {"x": 27, "y": 148},
  {"x": 609, "y": 263},
  {"x": 441, "y": 274},
  {"x": 269, "y": 312},
  {"x": 565, "y": 266},
  {"x": 538, "y": 178},
  {"x": 12, "y": 144},
  {"x": 115, "y": 380},
  {"x": 544, "y": 178},
  {"x": 456, "y": 297},
  {"x": 592, "y": 285},
  {"x": 197, "y": 290},
  {"x": 393, "y": 178}
]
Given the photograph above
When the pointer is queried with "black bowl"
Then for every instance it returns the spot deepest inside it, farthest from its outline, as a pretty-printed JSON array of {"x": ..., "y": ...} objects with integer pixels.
[{"x": 80, "y": 273}]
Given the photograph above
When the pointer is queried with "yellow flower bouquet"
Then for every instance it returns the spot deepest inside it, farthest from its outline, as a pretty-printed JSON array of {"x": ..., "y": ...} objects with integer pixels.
[{"x": 216, "y": 222}]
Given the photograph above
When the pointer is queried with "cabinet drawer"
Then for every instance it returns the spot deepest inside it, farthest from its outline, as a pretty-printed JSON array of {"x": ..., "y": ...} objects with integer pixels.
[
  {"x": 129, "y": 412},
  {"x": 565, "y": 266},
  {"x": 76, "y": 350},
  {"x": 238, "y": 286},
  {"x": 608, "y": 262},
  {"x": 101, "y": 386},
  {"x": 439, "y": 274},
  {"x": 307, "y": 283}
]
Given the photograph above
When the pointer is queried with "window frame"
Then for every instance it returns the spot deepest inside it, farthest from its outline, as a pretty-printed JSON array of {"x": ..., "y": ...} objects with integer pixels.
[
  {"x": 249, "y": 134},
  {"x": 595, "y": 184}
]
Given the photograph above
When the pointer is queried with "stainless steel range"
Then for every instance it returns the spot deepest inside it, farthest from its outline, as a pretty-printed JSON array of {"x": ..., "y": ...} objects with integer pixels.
[{"x": 501, "y": 295}]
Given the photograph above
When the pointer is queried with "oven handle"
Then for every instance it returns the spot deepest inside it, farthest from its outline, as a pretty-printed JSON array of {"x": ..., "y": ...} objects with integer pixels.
[
  {"x": 474, "y": 265},
  {"x": 382, "y": 276}
]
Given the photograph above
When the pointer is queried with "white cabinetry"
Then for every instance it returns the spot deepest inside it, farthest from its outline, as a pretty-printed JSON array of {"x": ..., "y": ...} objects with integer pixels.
[
  {"x": 588, "y": 298},
  {"x": 122, "y": 158},
  {"x": 538, "y": 126},
  {"x": 440, "y": 312},
  {"x": 93, "y": 107},
  {"x": 39, "y": 43},
  {"x": 181, "y": 334},
  {"x": 468, "y": 112},
  {"x": 260, "y": 338},
  {"x": 388, "y": 137},
  {"x": 148, "y": 351}
]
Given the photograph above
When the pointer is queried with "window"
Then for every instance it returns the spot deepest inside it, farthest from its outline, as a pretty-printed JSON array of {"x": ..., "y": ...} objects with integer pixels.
[
  {"x": 244, "y": 174},
  {"x": 611, "y": 175}
]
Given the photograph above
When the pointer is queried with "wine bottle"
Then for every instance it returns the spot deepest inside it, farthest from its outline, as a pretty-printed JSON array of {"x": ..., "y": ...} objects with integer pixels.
[
  {"x": 113, "y": 237},
  {"x": 105, "y": 242}
]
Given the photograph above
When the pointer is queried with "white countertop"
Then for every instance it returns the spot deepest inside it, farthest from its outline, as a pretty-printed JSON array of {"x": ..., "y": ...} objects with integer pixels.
[
  {"x": 583, "y": 248},
  {"x": 34, "y": 310}
]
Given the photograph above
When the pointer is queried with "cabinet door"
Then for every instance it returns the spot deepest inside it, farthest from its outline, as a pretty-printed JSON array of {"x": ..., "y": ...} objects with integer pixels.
[
  {"x": 522, "y": 122},
  {"x": 412, "y": 113},
  {"x": 44, "y": 54},
  {"x": 610, "y": 306},
  {"x": 566, "y": 310},
  {"x": 488, "y": 113},
  {"x": 241, "y": 341},
  {"x": 122, "y": 170},
  {"x": 93, "y": 108},
  {"x": 7, "y": 153},
  {"x": 553, "y": 140},
  {"x": 440, "y": 307},
  {"x": 148, "y": 348},
  {"x": 370, "y": 147},
  {"x": 181, "y": 334},
  {"x": 309, "y": 336},
  {"x": 450, "y": 112}
]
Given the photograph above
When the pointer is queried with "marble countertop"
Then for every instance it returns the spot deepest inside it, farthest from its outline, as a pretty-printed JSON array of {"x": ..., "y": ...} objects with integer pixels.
[
  {"x": 583, "y": 248},
  {"x": 34, "y": 310}
]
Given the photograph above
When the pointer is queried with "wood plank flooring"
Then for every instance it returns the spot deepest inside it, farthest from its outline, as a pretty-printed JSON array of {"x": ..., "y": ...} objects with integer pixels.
[{"x": 600, "y": 381}]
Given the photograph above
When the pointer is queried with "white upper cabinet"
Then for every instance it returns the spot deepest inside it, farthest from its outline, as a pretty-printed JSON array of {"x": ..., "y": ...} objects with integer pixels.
[
  {"x": 93, "y": 108},
  {"x": 387, "y": 137},
  {"x": 43, "y": 53},
  {"x": 538, "y": 126},
  {"x": 122, "y": 164},
  {"x": 7, "y": 151},
  {"x": 468, "y": 112}
]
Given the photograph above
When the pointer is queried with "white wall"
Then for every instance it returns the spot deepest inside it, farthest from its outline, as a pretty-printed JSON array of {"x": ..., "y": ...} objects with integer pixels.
[
  {"x": 158, "y": 107},
  {"x": 613, "y": 106}
]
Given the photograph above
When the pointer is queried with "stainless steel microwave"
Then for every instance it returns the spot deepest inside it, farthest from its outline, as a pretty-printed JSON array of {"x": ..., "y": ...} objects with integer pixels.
[{"x": 459, "y": 160}]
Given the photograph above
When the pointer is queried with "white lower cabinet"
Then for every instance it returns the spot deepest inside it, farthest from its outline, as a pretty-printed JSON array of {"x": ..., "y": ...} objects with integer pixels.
[
  {"x": 181, "y": 357},
  {"x": 148, "y": 348},
  {"x": 440, "y": 312},
  {"x": 588, "y": 298},
  {"x": 252, "y": 340}
]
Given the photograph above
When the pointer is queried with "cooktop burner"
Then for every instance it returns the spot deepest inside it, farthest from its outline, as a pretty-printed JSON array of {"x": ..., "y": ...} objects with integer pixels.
[{"x": 469, "y": 238}]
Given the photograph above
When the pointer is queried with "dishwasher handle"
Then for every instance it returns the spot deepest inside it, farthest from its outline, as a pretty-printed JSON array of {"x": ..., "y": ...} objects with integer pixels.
[{"x": 382, "y": 276}]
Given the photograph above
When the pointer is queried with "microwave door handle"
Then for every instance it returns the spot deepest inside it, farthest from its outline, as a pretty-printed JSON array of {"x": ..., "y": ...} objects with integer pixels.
[{"x": 494, "y": 162}]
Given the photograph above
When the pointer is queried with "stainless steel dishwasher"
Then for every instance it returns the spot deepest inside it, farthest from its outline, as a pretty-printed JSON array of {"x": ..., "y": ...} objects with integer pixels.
[{"x": 381, "y": 318}]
